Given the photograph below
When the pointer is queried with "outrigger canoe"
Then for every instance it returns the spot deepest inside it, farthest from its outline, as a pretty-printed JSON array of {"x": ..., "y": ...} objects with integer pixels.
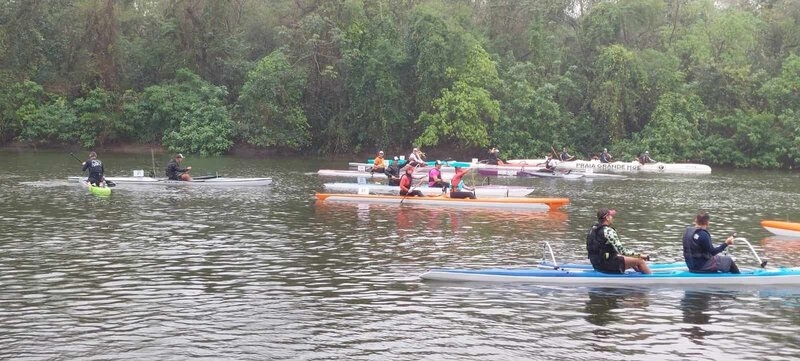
[
  {"x": 213, "y": 181},
  {"x": 480, "y": 191},
  {"x": 776, "y": 276},
  {"x": 518, "y": 203},
  {"x": 780, "y": 228},
  {"x": 635, "y": 167},
  {"x": 365, "y": 174}
]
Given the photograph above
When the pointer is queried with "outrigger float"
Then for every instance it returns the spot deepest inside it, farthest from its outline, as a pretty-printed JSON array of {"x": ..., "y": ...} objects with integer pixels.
[
  {"x": 508, "y": 203},
  {"x": 781, "y": 228},
  {"x": 583, "y": 274}
]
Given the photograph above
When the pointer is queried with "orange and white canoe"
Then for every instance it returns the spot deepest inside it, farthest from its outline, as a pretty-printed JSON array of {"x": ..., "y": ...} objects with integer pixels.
[
  {"x": 780, "y": 228},
  {"x": 507, "y": 203}
]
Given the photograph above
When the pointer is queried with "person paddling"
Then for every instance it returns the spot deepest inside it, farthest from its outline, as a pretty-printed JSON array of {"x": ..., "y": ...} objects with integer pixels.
[
  {"x": 95, "y": 167},
  {"x": 458, "y": 189},
  {"x": 605, "y": 250},
  {"x": 174, "y": 170},
  {"x": 405, "y": 184},
  {"x": 700, "y": 254}
]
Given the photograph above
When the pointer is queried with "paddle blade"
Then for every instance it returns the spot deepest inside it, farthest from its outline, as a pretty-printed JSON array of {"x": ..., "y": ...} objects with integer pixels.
[{"x": 111, "y": 184}]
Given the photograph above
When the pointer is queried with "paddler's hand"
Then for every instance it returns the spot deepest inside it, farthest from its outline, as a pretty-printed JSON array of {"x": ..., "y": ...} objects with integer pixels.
[
  {"x": 189, "y": 168},
  {"x": 729, "y": 241},
  {"x": 645, "y": 257}
]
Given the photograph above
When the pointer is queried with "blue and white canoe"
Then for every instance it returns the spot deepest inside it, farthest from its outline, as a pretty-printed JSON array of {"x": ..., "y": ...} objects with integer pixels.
[
  {"x": 480, "y": 191},
  {"x": 776, "y": 276}
]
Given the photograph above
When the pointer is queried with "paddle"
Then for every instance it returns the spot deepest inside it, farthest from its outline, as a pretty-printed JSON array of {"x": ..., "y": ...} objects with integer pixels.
[
  {"x": 742, "y": 239},
  {"x": 108, "y": 182}
]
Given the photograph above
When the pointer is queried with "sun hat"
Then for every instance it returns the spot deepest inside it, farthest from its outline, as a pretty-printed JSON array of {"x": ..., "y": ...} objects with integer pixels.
[{"x": 179, "y": 155}]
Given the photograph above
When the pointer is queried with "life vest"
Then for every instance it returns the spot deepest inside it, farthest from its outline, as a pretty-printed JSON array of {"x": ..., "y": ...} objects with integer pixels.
[
  {"x": 405, "y": 181},
  {"x": 691, "y": 249},
  {"x": 597, "y": 246}
]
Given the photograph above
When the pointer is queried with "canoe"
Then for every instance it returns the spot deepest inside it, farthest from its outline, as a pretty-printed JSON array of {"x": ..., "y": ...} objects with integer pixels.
[
  {"x": 480, "y": 191},
  {"x": 520, "y": 203},
  {"x": 780, "y": 228},
  {"x": 673, "y": 266},
  {"x": 100, "y": 191},
  {"x": 445, "y": 163},
  {"x": 366, "y": 174},
  {"x": 215, "y": 181},
  {"x": 550, "y": 174},
  {"x": 635, "y": 167},
  {"x": 773, "y": 276}
]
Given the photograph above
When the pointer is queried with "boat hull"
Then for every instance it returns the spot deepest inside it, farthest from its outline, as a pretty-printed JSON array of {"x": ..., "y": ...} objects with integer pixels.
[
  {"x": 100, "y": 191},
  {"x": 508, "y": 203},
  {"x": 780, "y": 276},
  {"x": 217, "y": 181},
  {"x": 480, "y": 191},
  {"x": 780, "y": 228},
  {"x": 635, "y": 167},
  {"x": 366, "y": 174}
]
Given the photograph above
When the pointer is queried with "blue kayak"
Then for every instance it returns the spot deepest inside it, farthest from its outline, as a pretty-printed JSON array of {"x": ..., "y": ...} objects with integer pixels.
[
  {"x": 774, "y": 276},
  {"x": 674, "y": 266}
]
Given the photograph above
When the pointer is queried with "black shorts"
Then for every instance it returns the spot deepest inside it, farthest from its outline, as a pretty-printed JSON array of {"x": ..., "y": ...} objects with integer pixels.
[{"x": 615, "y": 265}]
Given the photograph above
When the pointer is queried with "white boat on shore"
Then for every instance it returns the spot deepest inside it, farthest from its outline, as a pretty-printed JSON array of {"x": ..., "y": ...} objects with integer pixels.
[
  {"x": 490, "y": 191},
  {"x": 199, "y": 181},
  {"x": 635, "y": 167}
]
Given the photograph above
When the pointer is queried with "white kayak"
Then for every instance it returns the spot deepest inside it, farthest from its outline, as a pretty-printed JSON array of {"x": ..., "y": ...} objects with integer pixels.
[
  {"x": 635, "y": 167},
  {"x": 781, "y": 228},
  {"x": 367, "y": 174},
  {"x": 507, "y": 203},
  {"x": 480, "y": 191},
  {"x": 200, "y": 181}
]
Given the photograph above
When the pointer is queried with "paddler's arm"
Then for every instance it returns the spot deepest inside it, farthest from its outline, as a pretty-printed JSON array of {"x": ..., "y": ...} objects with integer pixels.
[{"x": 613, "y": 238}]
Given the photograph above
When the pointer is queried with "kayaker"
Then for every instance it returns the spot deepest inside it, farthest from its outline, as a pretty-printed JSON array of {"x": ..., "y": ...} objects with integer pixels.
[
  {"x": 174, "y": 170},
  {"x": 494, "y": 157},
  {"x": 458, "y": 188},
  {"x": 605, "y": 157},
  {"x": 565, "y": 156},
  {"x": 415, "y": 158},
  {"x": 405, "y": 184},
  {"x": 95, "y": 167},
  {"x": 700, "y": 254},
  {"x": 606, "y": 251},
  {"x": 645, "y": 158},
  {"x": 435, "y": 177},
  {"x": 393, "y": 172},
  {"x": 378, "y": 164}
]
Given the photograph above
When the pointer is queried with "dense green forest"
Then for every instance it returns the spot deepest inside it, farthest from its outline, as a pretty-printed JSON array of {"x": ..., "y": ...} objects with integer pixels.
[{"x": 716, "y": 82}]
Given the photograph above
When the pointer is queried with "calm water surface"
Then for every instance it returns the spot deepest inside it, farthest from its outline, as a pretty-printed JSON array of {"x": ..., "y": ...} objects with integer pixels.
[{"x": 266, "y": 273}]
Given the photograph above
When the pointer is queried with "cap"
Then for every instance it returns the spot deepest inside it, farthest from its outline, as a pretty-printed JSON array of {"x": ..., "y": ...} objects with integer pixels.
[
  {"x": 458, "y": 167},
  {"x": 178, "y": 155},
  {"x": 605, "y": 149},
  {"x": 605, "y": 212},
  {"x": 381, "y": 152},
  {"x": 395, "y": 158},
  {"x": 646, "y": 152},
  {"x": 416, "y": 149},
  {"x": 438, "y": 162},
  {"x": 409, "y": 169}
]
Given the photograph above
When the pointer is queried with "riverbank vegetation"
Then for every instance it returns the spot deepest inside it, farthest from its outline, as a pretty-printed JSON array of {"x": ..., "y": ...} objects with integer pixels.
[{"x": 716, "y": 82}]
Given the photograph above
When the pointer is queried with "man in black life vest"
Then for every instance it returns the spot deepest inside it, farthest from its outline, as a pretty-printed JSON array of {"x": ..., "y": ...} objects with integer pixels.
[
  {"x": 95, "y": 167},
  {"x": 700, "y": 254},
  {"x": 606, "y": 251}
]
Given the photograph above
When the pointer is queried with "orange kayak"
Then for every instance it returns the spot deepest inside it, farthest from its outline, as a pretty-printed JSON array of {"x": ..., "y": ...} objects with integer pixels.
[
  {"x": 780, "y": 228},
  {"x": 524, "y": 202}
]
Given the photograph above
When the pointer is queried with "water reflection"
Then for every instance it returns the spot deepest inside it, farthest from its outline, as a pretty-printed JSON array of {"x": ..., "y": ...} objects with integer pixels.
[
  {"x": 609, "y": 305},
  {"x": 698, "y": 307},
  {"x": 786, "y": 249}
]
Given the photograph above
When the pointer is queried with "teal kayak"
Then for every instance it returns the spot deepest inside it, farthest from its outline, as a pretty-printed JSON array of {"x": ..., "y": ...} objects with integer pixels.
[{"x": 776, "y": 276}]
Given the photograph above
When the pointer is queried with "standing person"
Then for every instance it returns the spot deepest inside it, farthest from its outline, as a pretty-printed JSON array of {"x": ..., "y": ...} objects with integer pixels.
[
  {"x": 435, "y": 177},
  {"x": 605, "y": 157},
  {"x": 393, "y": 172},
  {"x": 700, "y": 254},
  {"x": 174, "y": 170},
  {"x": 415, "y": 158},
  {"x": 494, "y": 157},
  {"x": 95, "y": 167},
  {"x": 565, "y": 156},
  {"x": 645, "y": 158},
  {"x": 458, "y": 188},
  {"x": 378, "y": 164},
  {"x": 606, "y": 251},
  {"x": 405, "y": 184}
]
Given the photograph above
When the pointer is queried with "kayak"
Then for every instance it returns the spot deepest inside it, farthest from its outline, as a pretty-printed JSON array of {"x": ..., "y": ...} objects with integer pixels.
[
  {"x": 521, "y": 203},
  {"x": 635, "y": 167},
  {"x": 502, "y": 171},
  {"x": 780, "y": 228},
  {"x": 480, "y": 191},
  {"x": 550, "y": 174},
  {"x": 100, "y": 191},
  {"x": 365, "y": 174},
  {"x": 776, "y": 276},
  {"x": 215, "y": 181},
  {"x": 445, "y": 163}
]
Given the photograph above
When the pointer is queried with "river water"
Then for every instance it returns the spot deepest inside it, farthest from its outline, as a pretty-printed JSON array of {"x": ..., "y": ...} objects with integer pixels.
[{"x": 266, "y": 273}]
